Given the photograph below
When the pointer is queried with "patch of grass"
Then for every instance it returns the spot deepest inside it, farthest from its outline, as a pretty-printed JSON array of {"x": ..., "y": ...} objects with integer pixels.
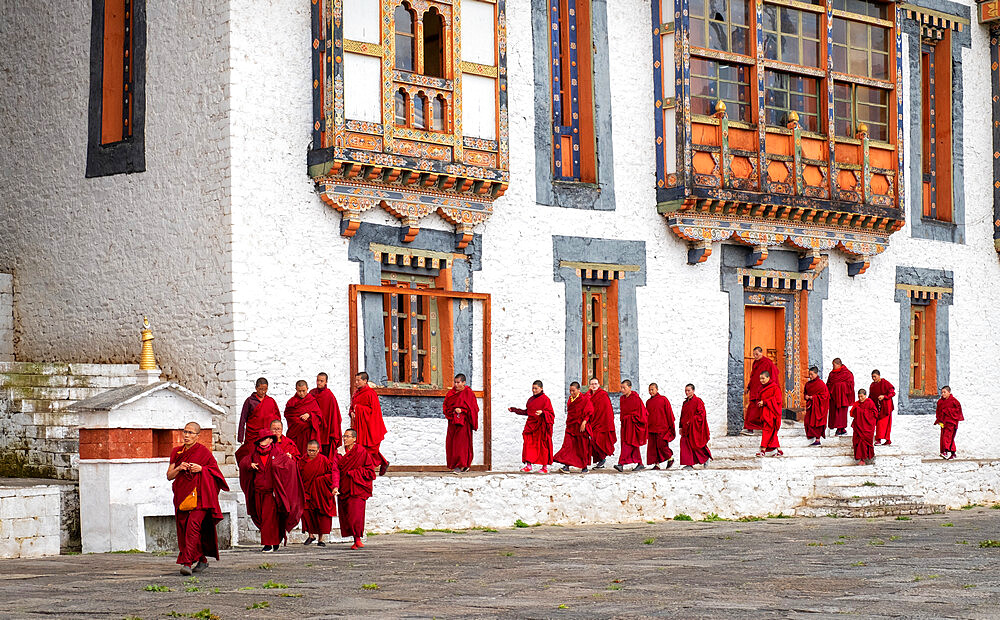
[
  {"x": 270, "y": 584},
  {"x": 892, "y": 538},
  {"x": 947, "y": 525},
  {"x": 520, "y": 523},
  {"x": 712, "y": 518},
  {"x": 266, "y": 566},
  {"x": 682, "y": 517},
  {"x": 204, "y": 614},
  {"x": 291, "y": 595},
  {"x": 902, "y": 518},
  {"x": 244, "y": 588},
  {"x": 508, "y": 554},
  {"x": 651, "y": 522},
  {"x": 451, "y": 580},
  {"x": 750, "y": 518},
  {"x": 969, "y": 585},
  {"x": 214, "y": 591},
  {"x": 129, "y": 551},
  {"x": 840, "y": 542},
  {"x": 921, "y": 578},
  {"x": 155, "y": 587},
  {"x": 814, "y": 544},
  {"x": 446, "y": 531},
  {"x": 869, "y": 483},
  {"x": 989, "y": 543},
  {"x": 484, "y": 529},
  {"x": 163, "y": 554},
  {"x": 995, "y": 506},
  {"x": 970, "y": 506},
  {"x": 259, "y": 605},
  {"x": 859, "y": 563},
  {"x": 192, "y": 589},
  {"x": 562, "y": 606},
  {"x": 131, "y": 618},
  {"x": 649, "y": 541},
  {"x": 780, "y": 515},
  {"x": 614, "y": 586},
  {"x": 369, "y": 586},
  {"x": 419, "y": 531},
  {"x": 191, "y": 579},
  {"x": 961, "y": 542},
  {"x": 876, "y": 542}
]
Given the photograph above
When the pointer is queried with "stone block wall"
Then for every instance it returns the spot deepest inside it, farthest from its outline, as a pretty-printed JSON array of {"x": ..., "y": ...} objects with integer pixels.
[
  {"x": 6, "y": 317},
  {"x": 29, "y": 519}
]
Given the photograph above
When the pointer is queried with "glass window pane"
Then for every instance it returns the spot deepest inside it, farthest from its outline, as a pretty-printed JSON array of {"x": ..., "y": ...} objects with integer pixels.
[
  {"x": 698, "y": 33},
  {"x": 717, "y": 39},
  {"x": 789, "y": 21},
  {"x": 790, "y": 49},
  {"x": 404, "y": 20},
  {"x": 437, "y": 113},
  {"x": 404, "y": 52},
  {"x": 739, "y": 41},
  {"x": 840, "y": 59},
  {"x": 858, "y": 64},
  {"x": 418, "y": 113},
  {"x": 400, "y": 108},
  {"x": 770, "y": 16},
  {"x": 738, "y": 12},
  {"x": 810, "y": 53},
  {"x": 697, "y": 8},
  {"x": 770, "y": 46},
  {"x": 880, "y": 66},
  {"x": 880, "y": 39},
  {"x": 717, "y": 10},
  {"x": 859, "y": 34},
  {"x": 810, "y": 25}
]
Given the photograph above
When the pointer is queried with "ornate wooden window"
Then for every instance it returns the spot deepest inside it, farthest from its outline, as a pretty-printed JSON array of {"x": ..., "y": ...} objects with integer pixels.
[
  {"x": 574, "y": 150},
  {"x": 786, "y": 93},
  {"x": 433, "y": 43},
  {"x": 792, "y": 35},
  {"x": 402, "y": 105},
  {"x": 923, "y": 345},
  {"x": 713, "y": 81},
  {"x": 438, "y": 114},
  {"x": 420, "y": 111},
  {"x": 722, "y": 25},
  {"x": 601, "y": 351},
  {"x": 855, "y": 105},
  {"x": 406, "y": 48},
  {"x": 413, "y": 332},
  {"x": 936, "y": 131}
]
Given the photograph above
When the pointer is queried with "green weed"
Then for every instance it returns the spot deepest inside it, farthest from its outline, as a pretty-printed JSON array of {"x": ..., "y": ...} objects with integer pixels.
[
  {"x": 682, "y": 517},
  {"x": 989, "y": 543},
  {"x": 259, "y": 605},
  {"x": 273, "y": 585},
  {"x": 369, "y": 586},
  {"x": 649, "y": 541},
  {"x": 155, "y": 587}
]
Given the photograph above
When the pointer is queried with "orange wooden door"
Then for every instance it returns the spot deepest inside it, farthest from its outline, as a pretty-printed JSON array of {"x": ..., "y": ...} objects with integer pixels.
[{"x": 764, "y": 327}]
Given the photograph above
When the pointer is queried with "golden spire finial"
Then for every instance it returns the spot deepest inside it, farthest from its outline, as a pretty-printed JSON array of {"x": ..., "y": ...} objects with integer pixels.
[
  {"x": 793, "y": 119},
  {"x": 147, "y": 360},
  {"x": 720, "y": 106},
  {"x": 862, "y": 131}
]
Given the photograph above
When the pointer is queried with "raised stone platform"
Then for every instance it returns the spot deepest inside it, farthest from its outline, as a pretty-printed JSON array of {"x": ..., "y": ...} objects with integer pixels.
[{"x": 29, "y": 518}]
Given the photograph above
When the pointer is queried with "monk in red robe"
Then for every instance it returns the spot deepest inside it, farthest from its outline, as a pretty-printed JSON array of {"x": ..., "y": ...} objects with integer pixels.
[
  {"x": 366, "y": 420},
  {"x": 602, "y": 425},
  {"x": 575, "y": 450},
  {"x": 840, "y": 382},
  {"x": 754, "y": 418},
  {"x": 634, "y": 435},
  {"x": 332, "y": 424},
  {"x": 865, "y": 414},
  {"x": 258, "y": 411},
  {"x": 881, "y": 392},
  {"x": 694, "y": 430},
  {"x": 197, "y": 482},
  {"x": 817, "y": 406},
  {"x": 462, "y": 413},
  {"x": 283, "y": 442},
  {"x": 537, "y": 431},
  {"x": 320, "y": 480},
  {"x": 770, "y": 404},
  {"x": 948, "y": 415},
  {"x": 304, "y": 418},
  {"x": 661, "y": 429},
  {"x": 357, "y": 471},
  {"x": 273, "y": 489}
]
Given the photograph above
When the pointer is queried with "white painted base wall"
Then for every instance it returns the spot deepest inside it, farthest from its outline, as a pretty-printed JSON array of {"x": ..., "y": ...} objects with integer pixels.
[{"x": 29, "y": 521}]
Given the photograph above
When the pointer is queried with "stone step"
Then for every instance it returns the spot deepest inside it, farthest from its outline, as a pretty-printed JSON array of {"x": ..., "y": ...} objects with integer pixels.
[
  {"x": 52, "y": 393},
  {"x": 18, "y": 380},
  {"x": 46, "y": 368},
  {"x": 869, "y": 511},
  {"x": 863, "y": 502},
  {"x": 848, "y": 492}
]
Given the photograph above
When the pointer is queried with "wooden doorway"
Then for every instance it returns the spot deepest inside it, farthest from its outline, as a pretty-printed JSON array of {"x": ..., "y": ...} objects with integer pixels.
[{"x": 764, "y": 327}]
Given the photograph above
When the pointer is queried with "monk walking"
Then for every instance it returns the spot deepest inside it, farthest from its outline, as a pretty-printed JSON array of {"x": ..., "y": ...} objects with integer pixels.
[
  {"x": 770, "y": 404},
  {"x": 258, "y": 411},
  {"x": 462, "y": 412},
  {"x": 634, "y": 435},
  {"x": 273, "y": 490},
  {"x": 320, "y": 479},
  {"x": 332, "y": 424},
  {"x": 840, "y": 382},
  {"x": 865, "y": 414},
  {"x": 817, "y": 406},
  {"x": 881, "y": 392},
  {"x": 366, "y": 420},
  {"x": 602, "y": 424},
  {"x": 197, "y": 482},
  {"x": 949, "y": 414},
  {"x": 754, "y": 418},
  {"x": 537, "y": 431},
  {"x": 661, "y": 429},
  {"x": 357, "y": 471},
  {"x": 575, "y": 450},
  {"x": 284, "y": 443},
  {"x": 303, "y": 415},
  {"x": 694, "y": 430}
]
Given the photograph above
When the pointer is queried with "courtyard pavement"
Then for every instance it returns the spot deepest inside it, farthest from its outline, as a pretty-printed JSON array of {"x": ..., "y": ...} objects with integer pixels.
[{"x": 937, "y": 566}]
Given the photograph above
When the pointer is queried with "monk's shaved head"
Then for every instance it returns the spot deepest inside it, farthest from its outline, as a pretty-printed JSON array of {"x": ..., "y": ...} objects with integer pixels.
[
  {"x": 351, "y": 432},
  {"x": 312, "y": 442},
  {"x": 194, "y": 426},
  {"x": 758, "y": 350},
  {"x": 276, "y": 424},
  {"x": 301, "y": 383},
  {"x": 363, "y": 376},
  {"x": 575, "y": 384}
]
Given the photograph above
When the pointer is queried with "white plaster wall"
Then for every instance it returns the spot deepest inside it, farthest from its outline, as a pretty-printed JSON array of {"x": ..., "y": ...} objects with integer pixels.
[
  {"x": 29, "y": 521},
  {"x": 92, "y": 256}
]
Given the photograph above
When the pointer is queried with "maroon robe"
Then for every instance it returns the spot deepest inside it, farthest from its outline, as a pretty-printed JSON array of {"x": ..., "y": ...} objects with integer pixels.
[
  {"x": 602, "y": 425},
  {"x": 840, "y": 382},
  {"x": 661, "y": 429},
  {"x": 366, "y": 419},
  {"x": 257, "y": 416},
  {"x": 331, "y": 431},
  {"x": 633, "y": 420},
  {"x": 273, "y": 492},
  {"x": 286, "y": 444},
  {"x": 694, "y": 432},
  {"x": 865, "y": 415},
  {"x": 320, "y": 477},
  {"x": 357, "y": 471},
  {"x": 948, "y": 415},
  {"x": 754, "y": 418},
  {"x": 771, "y": 416},
  {"x": 575, "y": 450},
  {"x": 883, "y": 426},
  {"x": 303, "y": 431},
  {"x": 537, "y": 431},
  {"x": 458, "y": 441},
  {"x": 196, "y": 534},
  {"x": 817, "y": 408}
]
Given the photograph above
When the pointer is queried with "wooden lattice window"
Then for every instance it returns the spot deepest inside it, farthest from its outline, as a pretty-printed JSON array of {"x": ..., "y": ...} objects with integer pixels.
[
  {"x": 862, "y": 33},
  {"x": 923, "y": 345},
  {"x": 402, "y": 105},
  {"x": 792, "y": 35},
  {"x": 712, "y": 81},
  {"x": 935, "y": 127},
  {"x": 414, "y": 341},
  {"x": 574, "y": 150},
  {"x": 785, "y": 93},
  {"x": 406, "y": 50},
  {"x": 722, "y": 25},
  {"x": 854, "y": 105},
  {"x": 601, "y": 354}
]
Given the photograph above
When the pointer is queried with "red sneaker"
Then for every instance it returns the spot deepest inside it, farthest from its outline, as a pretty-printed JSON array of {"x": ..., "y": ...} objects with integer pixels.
[
  {"x": 544, "y": 470},
  {"x": 526, "y": 469}
]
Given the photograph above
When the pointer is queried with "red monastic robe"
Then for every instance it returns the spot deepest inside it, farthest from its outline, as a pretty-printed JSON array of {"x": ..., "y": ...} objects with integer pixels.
[
  {"x": 537, "y": 431},
  {"x": 366, "y": 419},
  {"x": 817, "y": 408},
  {"x": 754, "y": 419},
  {"x": 303, "y": 431},
  {"x": 320, "y": 477},
  {"x": 257, "y": 416},
  {"x": 458, "y": 441},
  {"x": 633, "y": 420},
  {"x": 865, "y": 415},
  {"x": 694, "y": 432},
  {"x": 948, "y": 415},
  {"x": 771, "y": 415},
  {"x": 357, "y": 471},
  {"x": 332, "y": 428},
  {"x": 196, "y": 534},
  {"x": 661, "y": 429},
  {"x": 883, "y": 426},
  {"x": 273, "y": 492},
  {"x": 575, "y": 450},
  {"x": 840, "y": 382},
  {"x": 286, "y": 444},
  {"x": 602, "y": 425}
]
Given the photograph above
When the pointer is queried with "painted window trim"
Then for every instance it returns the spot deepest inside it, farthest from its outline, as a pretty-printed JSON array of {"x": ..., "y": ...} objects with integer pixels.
[
  {"x": 928, "y": 283},
  {"x": 128, "y": 155}
]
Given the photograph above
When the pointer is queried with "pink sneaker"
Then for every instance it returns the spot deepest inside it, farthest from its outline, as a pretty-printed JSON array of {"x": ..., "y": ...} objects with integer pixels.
[
  {"x": 526, "y": 469},
  {"x": 544, "y": 470}
]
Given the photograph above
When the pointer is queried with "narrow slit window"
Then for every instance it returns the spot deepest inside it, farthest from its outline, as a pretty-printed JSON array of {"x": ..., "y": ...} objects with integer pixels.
[
  {"x": 402, "y": 103},
  {"x": 433, "y": 43},
  {"x": 437, "y": 113},
  {"x": 405, "y": 39}
]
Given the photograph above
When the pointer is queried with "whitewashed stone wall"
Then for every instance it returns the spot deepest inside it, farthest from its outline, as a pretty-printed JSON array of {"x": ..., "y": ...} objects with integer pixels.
[
  {"x": 6, "y": 317},
  {"x": 29, "y": 521}
]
